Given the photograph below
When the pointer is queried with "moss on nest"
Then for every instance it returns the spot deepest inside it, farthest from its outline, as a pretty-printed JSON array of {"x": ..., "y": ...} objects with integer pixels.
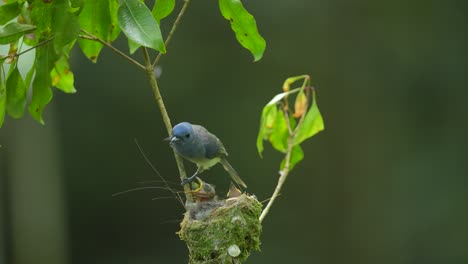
[{"x": 230, "y": 226}]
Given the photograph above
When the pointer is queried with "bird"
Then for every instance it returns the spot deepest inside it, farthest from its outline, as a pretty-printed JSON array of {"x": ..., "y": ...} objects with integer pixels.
[{"x": 196, "y": 144}]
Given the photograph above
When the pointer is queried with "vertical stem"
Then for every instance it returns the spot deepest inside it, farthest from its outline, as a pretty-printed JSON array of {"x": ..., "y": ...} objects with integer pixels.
[
  {"x": 283, "y": 175},
  {"x": 167, "y": 121},
  {"x": 173, "y": 29},
  {"x": 284, "y": 172}
]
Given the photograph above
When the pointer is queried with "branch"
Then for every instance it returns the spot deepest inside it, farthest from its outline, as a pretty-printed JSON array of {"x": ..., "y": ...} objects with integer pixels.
[
  {"x": 95, "y": 38},
  {"x": 292, "y": 133},
  {"x": 173, "y": 29},
  {"x": 29, "y": 49},
  {"x": 167, "y": 121},
  {"x": 283, "y": 173}
]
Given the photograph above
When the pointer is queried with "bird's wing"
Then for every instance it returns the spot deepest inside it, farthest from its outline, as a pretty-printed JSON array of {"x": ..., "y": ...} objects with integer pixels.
[{"x": 213, "y": 146}]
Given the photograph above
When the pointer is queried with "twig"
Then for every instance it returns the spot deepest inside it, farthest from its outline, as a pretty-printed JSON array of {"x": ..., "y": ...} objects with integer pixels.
[
  {"x": 283, "y": 173},
  {"x": 292, "y": 133},
  {"x": 173, "y": 29},
  {"x": 167, "y": 121},
  {"x": 29, "y": 49},
  {"x": 95, "y": 38}
]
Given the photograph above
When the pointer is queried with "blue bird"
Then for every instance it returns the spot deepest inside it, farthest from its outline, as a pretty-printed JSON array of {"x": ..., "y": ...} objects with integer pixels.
[{"x": 198, "y": 145}]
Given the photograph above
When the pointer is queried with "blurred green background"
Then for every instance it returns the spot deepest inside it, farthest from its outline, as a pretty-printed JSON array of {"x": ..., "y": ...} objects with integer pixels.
[{"x": 386, "y": 182}]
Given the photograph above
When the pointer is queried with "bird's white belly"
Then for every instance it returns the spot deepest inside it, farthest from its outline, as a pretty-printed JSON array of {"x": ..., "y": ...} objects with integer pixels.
[{"x": 205, "y": 164}]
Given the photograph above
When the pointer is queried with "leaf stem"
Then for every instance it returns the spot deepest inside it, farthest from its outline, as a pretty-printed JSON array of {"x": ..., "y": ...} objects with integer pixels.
[
  {"x": 173, "y": 29},
  {"x": 167, "y": 121},
  {"x": 95, "y": 38}
]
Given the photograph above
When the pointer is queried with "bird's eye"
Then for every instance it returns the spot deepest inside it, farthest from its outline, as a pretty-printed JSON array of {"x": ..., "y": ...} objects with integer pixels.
[{"x": 187, "y": 136}]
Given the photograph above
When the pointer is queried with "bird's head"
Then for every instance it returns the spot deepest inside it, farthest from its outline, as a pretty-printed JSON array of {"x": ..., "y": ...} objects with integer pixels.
[{"x": 182, "y": 132}]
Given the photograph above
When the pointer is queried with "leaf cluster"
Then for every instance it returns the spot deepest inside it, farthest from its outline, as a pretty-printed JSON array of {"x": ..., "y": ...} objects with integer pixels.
[
  {"x": 287, "y": 128},
  {"x": 49, "y": 29}
]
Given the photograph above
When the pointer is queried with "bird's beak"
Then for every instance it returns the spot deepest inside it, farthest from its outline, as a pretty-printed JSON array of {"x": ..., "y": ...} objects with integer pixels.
[{"x": 172, "y": 139}]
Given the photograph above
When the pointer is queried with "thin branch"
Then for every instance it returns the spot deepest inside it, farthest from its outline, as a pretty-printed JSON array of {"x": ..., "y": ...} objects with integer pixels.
[
  {"x": 29, "y": 49},
  {"x": 173, "y": 29},
  {"x": 292, "y": 133},
  {"x": 176, "y": 194},
  {"x": 95, "y": 38},
  {"x": 288, "y": 124},
  {"x": 282, "y": 179},
  {"x": 167, "y": 121}
]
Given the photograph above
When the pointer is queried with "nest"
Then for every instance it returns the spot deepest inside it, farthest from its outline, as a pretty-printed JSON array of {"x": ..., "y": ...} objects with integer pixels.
[{"x": 222, "y": 231}]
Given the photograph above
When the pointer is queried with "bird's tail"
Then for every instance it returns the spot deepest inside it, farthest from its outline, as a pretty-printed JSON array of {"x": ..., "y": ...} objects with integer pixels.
[{"x": 235, "y": 177}]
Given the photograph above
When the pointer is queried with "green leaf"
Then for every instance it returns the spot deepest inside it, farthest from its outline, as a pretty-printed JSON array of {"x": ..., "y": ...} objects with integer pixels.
[
  {"x": 133, "y": 46},
  {"x": 268, "y": 117},
  {"x": 76, "y": 3},
  {"x": 296, "y": 156},
  {"x": 3, "y": 98},
  {"x": 114, "y": 26},
  {"x": 9, "y": 11},
  {"x": 17, "y": 91},
  {"x": 312, "y": 124},
  {"x": 279, "y": 134},
  {"x": 266, "y": 121},
  {"x": 66, "y": 27},
  {"x": 42, "y": 18},
  {"x": 42, "y": 93},
  {"x": 13, "y": 31},
  {"x": 95, "y": 18},
  {"x": 29, "y": 75},
  {"x": 62, "y": 76},
  {"x": 244, "y": 26},
  {"x": 162, "y": 8},
  {"x": 139, "y": 25}
]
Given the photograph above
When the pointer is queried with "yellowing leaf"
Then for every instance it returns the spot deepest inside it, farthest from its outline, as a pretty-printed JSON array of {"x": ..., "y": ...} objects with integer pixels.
[
  {"x": 312, "y": 124},
  {"x": 300, "y": 105},
  {"x": 62, "y": 76}
]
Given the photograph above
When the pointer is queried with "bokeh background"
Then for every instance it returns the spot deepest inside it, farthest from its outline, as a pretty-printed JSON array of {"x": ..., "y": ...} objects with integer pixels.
[{"x": 386, "y": 182}]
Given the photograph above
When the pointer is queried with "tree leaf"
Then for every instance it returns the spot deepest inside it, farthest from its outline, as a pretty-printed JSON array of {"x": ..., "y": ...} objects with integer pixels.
[
  {"x": 9, "y": 11},
  {"x": 3, "y": 97},
  {"x": 114, "y": 26},
  {"x": 266, "y": 120},
  {"x": 95, "y": 18},
  {"x": 17, "y": 91},
  {"x": 62, "y": 76},
  {"x": 66, "y": 27},
  {"x": 42, "y": 93},
  {"x": 133, "y": 46},
  {"x": 76, "y": 3},
  {"x": 13, "y": 31},
  {"x": 296, "y": 156},
  {"x": 279, "y": 133},
  {"x": 300, "y": 104},
  {"x": 244, "y": 26},
  {"x": 312, "y": 124},
  {"x": 139, "y": 25},
  {"x": 42, "y": 17},
  {"x": 162, "y": 8},
  {"x": 29, "y": 75}
]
